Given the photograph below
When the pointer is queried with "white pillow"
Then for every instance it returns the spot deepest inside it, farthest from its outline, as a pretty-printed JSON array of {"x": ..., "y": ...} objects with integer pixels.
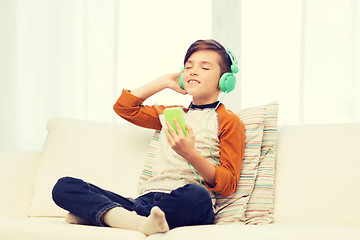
[{"x": 99, "y": 153}]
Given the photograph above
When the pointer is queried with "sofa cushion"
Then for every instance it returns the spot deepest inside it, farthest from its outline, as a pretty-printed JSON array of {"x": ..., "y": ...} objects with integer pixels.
[
  {"x": 95, "y": 152},
  {"x": 268, "y": 232},
  {"x": 41, "y": 228},
  {"x": 317, "y": 174},
  {"x": 58, "y": 229},
  {"x": 17, "y": 174}
]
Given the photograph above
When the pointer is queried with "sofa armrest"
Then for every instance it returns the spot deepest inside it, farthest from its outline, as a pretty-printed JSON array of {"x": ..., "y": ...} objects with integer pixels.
[{"x": 17, "y": 176}]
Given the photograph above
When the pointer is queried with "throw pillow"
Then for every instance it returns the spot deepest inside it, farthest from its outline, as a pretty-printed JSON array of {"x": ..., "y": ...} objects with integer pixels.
[
  {"x": 95, "y": 152},
  {"x": 231, "y": 209},
  {"x": 146, "y": 173},
  {"x": 260, "y": 207}
]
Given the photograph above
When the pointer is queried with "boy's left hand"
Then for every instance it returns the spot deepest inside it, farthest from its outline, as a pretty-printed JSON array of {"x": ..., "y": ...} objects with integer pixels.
[
  {"x": 182, "y": 145},
  {"x": 185, "y": 147}
]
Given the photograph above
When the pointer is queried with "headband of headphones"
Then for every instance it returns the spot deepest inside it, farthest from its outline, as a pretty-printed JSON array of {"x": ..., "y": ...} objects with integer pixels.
[{"x": 234, "y": 64}]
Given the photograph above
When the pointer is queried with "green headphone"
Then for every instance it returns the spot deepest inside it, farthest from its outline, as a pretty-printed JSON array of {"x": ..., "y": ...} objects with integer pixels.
[{"x": 227, "y": 80}]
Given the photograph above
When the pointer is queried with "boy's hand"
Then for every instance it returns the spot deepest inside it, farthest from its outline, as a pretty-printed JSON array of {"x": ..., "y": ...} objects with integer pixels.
[
  {"x": 185, "y": 147},
  {"x": 170, "y": 80},
  {"x": 182, "y": 145},
  {"x": 173, "y": 82}
]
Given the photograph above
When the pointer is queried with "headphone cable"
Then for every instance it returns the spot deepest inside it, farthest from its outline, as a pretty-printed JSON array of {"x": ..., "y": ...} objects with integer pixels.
[{"x": 208, "y": 133}]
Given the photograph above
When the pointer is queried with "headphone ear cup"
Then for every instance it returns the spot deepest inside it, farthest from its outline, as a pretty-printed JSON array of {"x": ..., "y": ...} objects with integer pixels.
[
  {"x": 181, "y": 82},
  {"x": 227, "y": 82}
]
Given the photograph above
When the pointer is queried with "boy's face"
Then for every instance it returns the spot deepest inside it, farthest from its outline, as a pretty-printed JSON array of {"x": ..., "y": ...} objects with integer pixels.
[{"x": 201, "y": 76}]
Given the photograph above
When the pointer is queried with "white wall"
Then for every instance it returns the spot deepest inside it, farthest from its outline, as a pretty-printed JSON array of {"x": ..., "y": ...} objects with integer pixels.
[
  {"x": 8, "y": 95},
  {"x": 331, "y": 61},
  {"x": 226, "y": 28},
  {"x": 271, "y": 44}
]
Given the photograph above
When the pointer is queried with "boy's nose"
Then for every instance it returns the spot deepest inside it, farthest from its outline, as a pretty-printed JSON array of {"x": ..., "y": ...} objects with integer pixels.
[{"x": 194, "y": 72}]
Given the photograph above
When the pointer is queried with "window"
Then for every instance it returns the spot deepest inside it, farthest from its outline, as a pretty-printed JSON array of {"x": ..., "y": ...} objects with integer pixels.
[{"x": 74, "y": 57}]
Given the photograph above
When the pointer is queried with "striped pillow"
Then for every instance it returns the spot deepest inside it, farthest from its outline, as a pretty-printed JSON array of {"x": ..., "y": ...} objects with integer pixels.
[
  {"x": 146, "y": 173},
  {"x": 232, "y": 208},
  {"x": 260, "y": 208}
]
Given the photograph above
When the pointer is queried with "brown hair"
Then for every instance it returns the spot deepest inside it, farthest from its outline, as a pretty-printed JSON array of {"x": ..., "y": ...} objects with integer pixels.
[{"x": 225, "y": 63}]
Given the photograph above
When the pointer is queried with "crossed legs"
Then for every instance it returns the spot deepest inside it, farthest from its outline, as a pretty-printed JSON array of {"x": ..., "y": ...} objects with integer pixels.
[{"x": 149, "y": 214}]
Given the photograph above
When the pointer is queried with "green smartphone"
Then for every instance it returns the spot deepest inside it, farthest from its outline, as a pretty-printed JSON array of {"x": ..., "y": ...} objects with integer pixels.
[{"x": 178, "y": 113}]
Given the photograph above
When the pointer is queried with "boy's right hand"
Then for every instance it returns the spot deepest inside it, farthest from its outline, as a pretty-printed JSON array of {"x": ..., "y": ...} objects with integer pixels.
[
  {"x": 170, "y": 81},
  {"x": 173, "y": 82}
]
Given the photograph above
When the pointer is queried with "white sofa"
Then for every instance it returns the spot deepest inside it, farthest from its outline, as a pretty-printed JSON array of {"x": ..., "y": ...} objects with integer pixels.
[{"x": 316, "y": 185}]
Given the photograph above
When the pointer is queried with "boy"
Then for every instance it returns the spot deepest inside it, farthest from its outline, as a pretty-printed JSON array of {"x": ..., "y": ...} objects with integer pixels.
[{"x": 214, "y": 148}]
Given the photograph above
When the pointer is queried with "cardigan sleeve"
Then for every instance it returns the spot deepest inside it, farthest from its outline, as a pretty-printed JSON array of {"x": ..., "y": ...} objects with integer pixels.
[{"x": 130, "y": 107}]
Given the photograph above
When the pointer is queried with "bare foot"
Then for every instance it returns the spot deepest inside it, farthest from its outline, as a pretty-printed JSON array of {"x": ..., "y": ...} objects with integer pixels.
[
  {"x": 155, "y": 222},
  {"x": 72, "y": 219}
]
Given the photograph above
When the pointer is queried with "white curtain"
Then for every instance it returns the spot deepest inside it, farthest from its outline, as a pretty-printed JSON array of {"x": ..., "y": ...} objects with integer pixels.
[
  {"x": 302, "y": 53},
  {"x": 72, "y": 58}
]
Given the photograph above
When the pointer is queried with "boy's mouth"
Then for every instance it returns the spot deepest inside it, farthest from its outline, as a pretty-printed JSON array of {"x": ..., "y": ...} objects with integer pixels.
[{"x": 193, "y": 81}]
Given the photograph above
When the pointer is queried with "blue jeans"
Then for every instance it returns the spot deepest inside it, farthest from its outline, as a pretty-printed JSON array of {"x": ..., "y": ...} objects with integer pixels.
[{"x": 185, "y": 206}]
